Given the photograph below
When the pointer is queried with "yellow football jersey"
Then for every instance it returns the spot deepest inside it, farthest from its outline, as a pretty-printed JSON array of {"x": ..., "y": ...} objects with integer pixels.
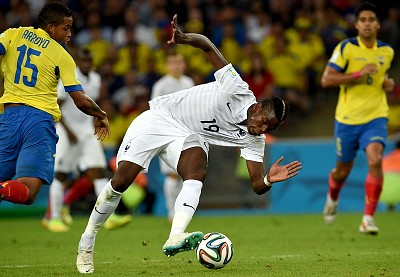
[
  {"x": 364, "y": 99},
  {"x": 32, "y": 65}
]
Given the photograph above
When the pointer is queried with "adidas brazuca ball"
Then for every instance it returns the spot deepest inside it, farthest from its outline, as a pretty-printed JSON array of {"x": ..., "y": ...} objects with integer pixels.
[{"x": 214, "y": 251}]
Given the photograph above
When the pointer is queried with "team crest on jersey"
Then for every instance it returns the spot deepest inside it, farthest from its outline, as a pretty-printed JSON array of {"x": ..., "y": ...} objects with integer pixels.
[
  {"x": 381, "y": 60},
  {"x": 127, "y": 148},
  {"x": 241, "y": 133}
]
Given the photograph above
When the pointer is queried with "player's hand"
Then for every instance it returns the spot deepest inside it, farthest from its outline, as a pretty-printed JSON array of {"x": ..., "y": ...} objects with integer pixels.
[
  {"x": 388, "y": 84},
  {"x": 102, "y": 128},
  {"x": 177, "y": 35},
  {"x": 369, "y": 69},
  {"x": 278, "y": 173}
]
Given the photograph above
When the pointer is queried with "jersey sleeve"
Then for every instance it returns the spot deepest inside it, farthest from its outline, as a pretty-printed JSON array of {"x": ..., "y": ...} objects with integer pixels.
[
  {"x": 68, "y": 74},
  {"x": 230, "y": 81},
  {"x": 255, "y": 150},
  {"x": 338, "y": 60},
  {"x": 5, "y": 40}
]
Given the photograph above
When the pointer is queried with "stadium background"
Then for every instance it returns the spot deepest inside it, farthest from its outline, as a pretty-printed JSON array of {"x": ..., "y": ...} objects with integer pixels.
[{"x": 132, "y": 57}]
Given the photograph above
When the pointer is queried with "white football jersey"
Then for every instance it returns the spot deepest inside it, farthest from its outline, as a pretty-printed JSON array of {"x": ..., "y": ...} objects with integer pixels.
[
  {"x": 215, "y": 111},
  {"x": 80, "y": 123},
  {"x": 168, "y": 84}
]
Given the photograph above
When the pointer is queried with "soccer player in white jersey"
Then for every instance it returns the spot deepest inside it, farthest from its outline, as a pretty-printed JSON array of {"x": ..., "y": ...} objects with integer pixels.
[
  {"x": 173, "y": 81},
  {"x": 179, "y": 128},
  {"x": 77, "y": 147}
]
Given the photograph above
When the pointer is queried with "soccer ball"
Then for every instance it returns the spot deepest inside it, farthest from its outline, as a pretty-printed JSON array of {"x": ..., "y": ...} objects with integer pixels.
[{"x": 214, "y": 251}]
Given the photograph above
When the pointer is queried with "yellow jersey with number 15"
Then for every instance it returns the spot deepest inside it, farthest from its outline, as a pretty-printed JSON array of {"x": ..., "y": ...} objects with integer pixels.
[
  {"x": 32, "y": 65},
  {"x": 364, "y": 99}
]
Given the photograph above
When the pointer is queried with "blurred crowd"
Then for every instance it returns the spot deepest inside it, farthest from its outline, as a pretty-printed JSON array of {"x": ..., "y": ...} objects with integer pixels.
[{"x": 279, "y": 46}]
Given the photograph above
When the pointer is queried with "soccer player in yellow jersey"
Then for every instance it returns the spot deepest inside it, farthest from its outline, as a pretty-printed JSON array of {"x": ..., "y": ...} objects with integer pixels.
[
  {"x": 359, "y": 66},
  {"x": 34, "y": 59}
]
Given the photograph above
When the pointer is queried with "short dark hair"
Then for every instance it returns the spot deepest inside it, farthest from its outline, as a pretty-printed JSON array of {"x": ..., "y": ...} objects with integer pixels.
[
  {"x": 53, "y": 13},
  {"x": 84, "y": 53},
  {"x": 366, "y": 6},
  {"x": 280, "y": 107}
]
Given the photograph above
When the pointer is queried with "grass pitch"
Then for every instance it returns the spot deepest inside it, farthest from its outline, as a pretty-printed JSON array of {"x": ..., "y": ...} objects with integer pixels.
[{"x": 264, "y": 245}]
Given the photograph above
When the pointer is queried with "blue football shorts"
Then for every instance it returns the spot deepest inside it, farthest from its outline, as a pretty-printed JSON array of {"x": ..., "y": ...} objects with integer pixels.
[
  {"x": 28, "y": 141},
  {"x": 350, "y": 138}
]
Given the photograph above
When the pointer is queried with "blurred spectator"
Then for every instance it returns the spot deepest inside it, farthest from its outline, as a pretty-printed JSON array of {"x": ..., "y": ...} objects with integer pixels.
[
  {"x": 230, "y": 47},
  {"x": 332, "y": 28},
  {"x": 93, "y": 28},
  {"x": 228, "y": 17},
  {"x": 131, "y": 96},
  {"x": 309, "y": 48},
  {"x": 257, "y": 22},
  {"x": 109, "y": 81},
  {"x": 288, "y": 76},
  {"x": 113, "y": 13},
  {"x": 19, "y": 14},
  {"x": 142, "y": 33},
  {"x": 132, "y": 56},
  {"x": 259, "y": 79},
  {"x": 267, "y": 47},
  {"x": 390, "y": 29}
]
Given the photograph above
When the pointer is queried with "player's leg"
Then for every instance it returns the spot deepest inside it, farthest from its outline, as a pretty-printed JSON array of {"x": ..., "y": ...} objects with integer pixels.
[
  {"x": 105, "y": 205},
  {"x": 373, "y": 141},
  {"x": 13, "y": 124},
  {"x": 65, "y": 162},
  {"x": 53, "y": 221},
  {"x": 337, "y": 178},
  {"x": 172, "y": 186},
  {"x": 346, "y": 141},
  {"x": 35, "y": 160},
  {"x": 192, "y": 167}
]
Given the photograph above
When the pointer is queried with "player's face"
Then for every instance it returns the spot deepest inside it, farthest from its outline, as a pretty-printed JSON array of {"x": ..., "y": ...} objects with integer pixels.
[
  {"x": 261, "y": 122},
  {"x": 367, "y": 24},
  {"x": 85, "y": 64},
  {"x": 62, "y": 32}
]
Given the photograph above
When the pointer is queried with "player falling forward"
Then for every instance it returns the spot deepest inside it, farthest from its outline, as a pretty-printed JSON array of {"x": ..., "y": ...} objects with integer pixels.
[
  {"x": 359, "y": 66},
  {"x": 179, "y": 128},
  {"x": 34, "y": 59}
]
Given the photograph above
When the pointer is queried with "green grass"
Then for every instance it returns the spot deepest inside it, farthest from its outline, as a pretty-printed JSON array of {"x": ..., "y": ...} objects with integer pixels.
[{"x": 264, "y": 245}]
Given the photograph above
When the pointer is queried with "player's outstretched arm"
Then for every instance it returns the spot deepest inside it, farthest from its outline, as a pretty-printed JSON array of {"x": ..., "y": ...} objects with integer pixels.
[
  {"x": 277, "y": 173},
  {"x": 198, "y": 41},
  {"x": 88, "y": 106}
]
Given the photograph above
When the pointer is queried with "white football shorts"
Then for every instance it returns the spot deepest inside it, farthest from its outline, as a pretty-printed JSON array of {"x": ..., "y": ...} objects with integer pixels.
[
  {"x": 151, "y": 134},
  {"x": 85, "y": 154}
]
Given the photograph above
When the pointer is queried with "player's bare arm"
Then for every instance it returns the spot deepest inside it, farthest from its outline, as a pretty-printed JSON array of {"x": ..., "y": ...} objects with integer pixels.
[
  {"x": 332, "y": 78},
  {"x": 277, "y": 173},
  {"x": 89, "y": 107},
  {"x": 197, "y": 41}
]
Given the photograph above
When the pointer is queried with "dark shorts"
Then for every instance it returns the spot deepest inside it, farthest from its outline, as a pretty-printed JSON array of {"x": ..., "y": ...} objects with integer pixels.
[
  {"x": 27, "y": 144},
  {"x": 350, "y": 138}
]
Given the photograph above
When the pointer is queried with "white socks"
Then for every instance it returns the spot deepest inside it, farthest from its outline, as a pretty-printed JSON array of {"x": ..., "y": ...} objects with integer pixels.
[
  {"x": 105, "y": 205},
  {"x": 172, "y": 187},
  {"x": 185, "y": 205},
  {"x": 56, "y": 195}
]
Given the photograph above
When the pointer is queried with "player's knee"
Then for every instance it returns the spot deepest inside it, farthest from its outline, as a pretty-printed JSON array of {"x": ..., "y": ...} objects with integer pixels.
[
  {"x": 198, "y": 174},
  {"x": 121, "y": 182},
  {"x": 375, "y": 162}
]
